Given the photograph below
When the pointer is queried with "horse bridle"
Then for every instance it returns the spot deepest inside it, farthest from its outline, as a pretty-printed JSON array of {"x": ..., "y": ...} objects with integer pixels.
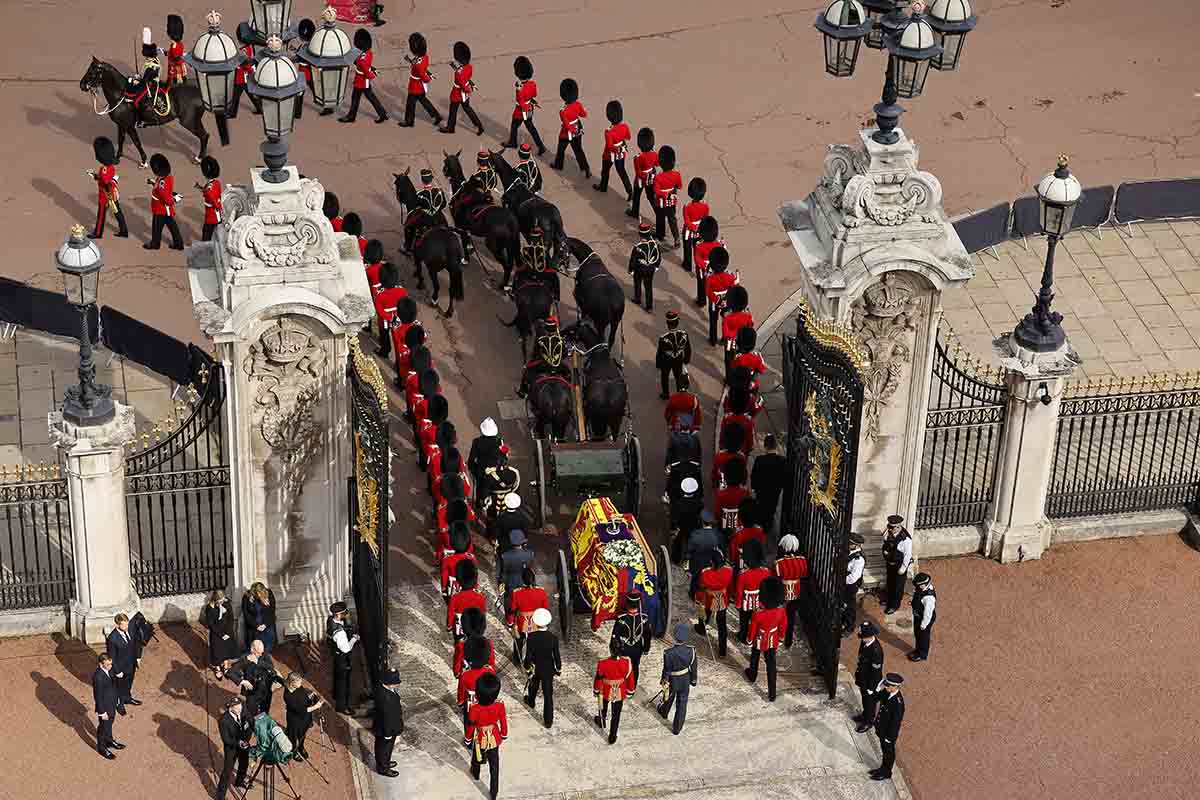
[{"x": 94, "y": 76}]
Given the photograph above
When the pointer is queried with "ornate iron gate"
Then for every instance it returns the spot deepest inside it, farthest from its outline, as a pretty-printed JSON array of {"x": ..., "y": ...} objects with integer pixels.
[
  {"x": 177, "y": 497},
  {"x": 37, "y": 559},
  {"x": 963, "y": 431},
  {"x": 369, "y": 504},
  {"x": 823, "y": 380}
]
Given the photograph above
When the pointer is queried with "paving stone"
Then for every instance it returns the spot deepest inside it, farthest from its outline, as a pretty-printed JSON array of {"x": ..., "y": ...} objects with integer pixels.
[
  {"x": 1084, "y": 345},
  {"x": 1189, "y": 318},
  {"x": 34, "y": 431},
  {"x": 10, "y": 431},
  {"x": 1121, "y": 309},
  {"x": 1164, "y": 238},
  {"x": 39, "y": 454},
  {"x": 1096, "y": 367},
  {"x": 1129, "y": 368},
  {"x": 1169, "y": 286},
  {"x": 1124, "y": 268},
  {"x": 137, "y": 378},
  {"x": 1110, "y": 246},
  {"x": 965, "y": 320},
  {"x": 1156, "y": 363},
  {"x": 1142, "y": 292},
  {"x": 1086, "y": 261},
  {"x": 1187, "y": 227},
  {"x": 10, "y": 454},
  {"x": 1109, "y": 292},
  {"x": 1155, "y": 267},
  {"x": 34, "y": 376},
  {"x": 1192, "y": 243},
  {"x": 983, "y": 280},
  {"x": 1158, "y": 317},
  {"x": 1116, "y": 353},
  {"x": 958, "y": 298},
  {"x": 36, "y": 403},
  {"x": 1089, "y": 307},
  {"x": 1189, "y": 280},
  {"x": 1179, "y": 259},
  {"x": 1076, "y": 244},
  {"x": 1006, "y": 269},
  {"x": 997, "y": 313},
  {"x": 1142, "y": 247},
  {"x": 1014, "y": 292},
  {"x": 1173, "y": 338},
  {"x": 1185, "y": 360}
]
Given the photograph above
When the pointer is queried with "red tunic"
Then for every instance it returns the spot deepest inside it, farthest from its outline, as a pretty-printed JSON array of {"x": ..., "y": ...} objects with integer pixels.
[
  {"x": 666, "y": 188},
  {"x": 212, "y": 202},
  {"x": 572, "y": 116},
  {"x": 373, "y": 277},
  {"x": 461, "y": 91},
  {"x": 486, "y": 725},
  {"x": 721, "y": 459},
  {"x": 362, "y": 246},
  {"x": 525, "y": 601},
  {"x": 386, "y": 300},
  {"x": 449, "y": 563},
  {"x": 746, "y": 591},
  {"x": 466, "y": 683},
  {"x": 755, "y": 407},
  {"x": 714, "y": 587},
  {"x": 443, "y": 526},
  {"x": 526, "y": 93},
  {"x": 467, "y": 598},
  {"x": 615, "y": 139},
  {"x": 418, "y": 76},
  {"x": 176, "y": 72},
  {"x": 747, "y": 423},
  {"x": 106, "y": 184},
  {"x": 306, "y": 71},
  {"x": 752, "y": 361},
  {"x": 726, "y": 503},
  {"x": 791, "y": 570},
  {"x": 437, "y": 485},
  {"x": 162, "y": 197},
  {"x": 702, "y": 253},
  {"x": 767, "y": 627},
  {"x": 364, "y": 71},
  {"x": 693, "y": 212},
  {"x": 644, "y": 165},
  {"x": 614, "y": 679},
  {"x": 460, "y": 661},
  {"x": 717, "y": 284},
  {"x": 739, "y": 539},
  {"x": 683, "y": 403},
  {"x": 246, "y": 68},
  {"x": 412, "y": 383},
  {"x": 336, "y": 222},
  {"x": 734, "y": 322}
]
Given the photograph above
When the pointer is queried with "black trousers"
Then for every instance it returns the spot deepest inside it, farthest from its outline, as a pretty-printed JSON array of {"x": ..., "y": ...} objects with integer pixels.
[
  {"x": 342, "y": 670},
  {"x": 206, "y": 233},
  {"x": 236, "y": 102},
  {"x": 124, "y": 685},
  {"x": 714, "y": 317},
  {"x": 384, "y": 745},
  {"x": 492, "y": 757},
  {"x": 923, "y": 637},
  {"x": 646, "y": 281},
  {"x": 606, "y": 167},
  {"x": 681, "y": 378},
  {"x": 743, "y": 622},
  {"x": 470, "y": 112},
  {"x": 769, "y": 658},
  {"x": 767, "y": 509},
  {"x": 410, "y": 108},
  {"x": 722, "y": 629},
  {"x": 385, "y": 338},
  {"x": 689, "y": 244},
  {"x": 533, "y": 131},
  {"x": 849, "y": 607},
  {"x": 156, "y": 228},
  {"x": 793, "y": 611},
  {"x": 701, "y": 297},
  {"x": 102, "y": 216},
  {"x": 895, "y": 586},
  {"x": 576, "y": 148},
  {"x": 356, "y": 96},
  {"x": 635, "y": 659},
  {"x": 104, "y": 732},
  {"x": 297, "y": 732},
  {"x": 546, "y": 683},
  {"x": 678, "y": 698},
  {"x": 635, "y": 208},
  {"x": 614, "y": 721},
  {"x": 234, "y": 756},
  {"x": 889, "y": 757},
  {"x": 662, "y": 218},
  {"x": 869, "y": 703}
]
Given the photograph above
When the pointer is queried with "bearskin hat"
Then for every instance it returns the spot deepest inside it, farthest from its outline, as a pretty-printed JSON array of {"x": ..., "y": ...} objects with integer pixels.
[
  {"x": 737, "y": 298},
  {"x": 718, "y": 261},
  {"x": 306, "y": 29},
  {"x": 439, "y": 409},
  {"x": 645, "y": 140},
  {"x": 245, "y": 33},
  {"x": 771, "y": 593},
  {"x": 414, "y": 337},
  {"x": 453, "y": 487},
  {"x": 389, "y": 275},
  {"x": 462, "y": 53},
  {"x": 752, "y": 554},
  {"x": 406, "y": 312},
  {"x": 614, "y": 112},
  {"x": 739, "y": 400},
  {"x": 175, "y": 27},
  {"x": 474, "y": 622},
  {"x": 159, "y": 165},
  {"x": 487, "y": 688},
  {"x": 373, "y": 253},
  {"x": 331, "y": 206},
  {"x": 105, "y": 150},
  {"x": 697, "y": 188},
  {"x": 740, "y": 379},
  {"x": 666, "y": 158},
  {"x": 362, "y": 39},
  {"x": 747, "y": 338},
  {"x": 210, "y": 168},
  {"x": 447, "y": 435},
  {"x": 709, "y": 229},
  {"x": 733, "y": 436},
  {"x": 420, "y": 360},
  {"x": 735, "y": 469},
  {"x": 476, "y": 651},
  {"x": 417, "y": 45},
  {"x": 428, "y": 382},
  {"x": 466, "y": 573},
  {"x": 451, "y": 462},
  {"x": 568, "y": 90},
  {"x": 460, "y": 535},
  {"x": 716, "y": 557},
  {"x": 352, "y": 224},
  {"x": 523, "y": 68},
  {"x": 528, "y": 576},
  {"x": 746, "y": 512},
  {"x": 149, "y": 48},
  {"x": 457, "y": 510}
]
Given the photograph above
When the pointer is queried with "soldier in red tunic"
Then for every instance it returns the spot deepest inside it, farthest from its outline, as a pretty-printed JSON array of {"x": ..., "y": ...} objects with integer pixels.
[
  {"x": 452, "y": 470},
  {"x": 667, "y": 184},
  {"x": 731, "y": 439},
  {"x": 487, "y": 727},
  {"x": 792, "y": 569},
  {"x": 525, "y": 600},
  {"x": 645, "y": 164},
  {"x": 526, "y": 102},
  {"x": 436, "y": 410},
  {"x": 476, "y": 650},
  {"x": 747, "y": 528},
  {"x": 364, "y": 73},
  {"x": 767, "y": 628},
  {"x": 693, "y": 212},
  {"x": 709, "y": 232},
  {"x": 571, "y": 130},
  {"x": 332, "y": 208},
  {"x": 245, "y": 37},
  {"x": 736, "y": 315},
  {"x": 467, "y": 575},
  {"x": 616, "y": 144},
  {"x": 747, "y": 357},
  {"x": 419, "y": 78},
  {"x": 352, "y": 224},
  {"x": 740, "y": 403},
  {"x": 162, "y": 204},
  {"x": 108, "y": 198},
  {"x": 712, "y": 597},
  {"x": 474, "y": 623},
  {"x": 386, "y": 301},
  {"x": 716, "y": 285},
  {"x": 210, "y": 191},
  {"x": 460, "y": 540},
  {"x": 614, "y": 681},
  {"x": 729, "y": 499},
  {"x": 176, "y": 69},
  {"x": 680, "y": 403},
  {"x": 746, "y": 590},
  {"x": 462, "y": 89}
]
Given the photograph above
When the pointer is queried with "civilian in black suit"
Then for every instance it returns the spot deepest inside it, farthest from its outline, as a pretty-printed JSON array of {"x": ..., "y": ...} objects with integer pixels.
[
  {"x": 235, "y": 736},
  {"x": 543, "y": 662},
  {"x": 104, "y": 692},
  {"x": 766, "y": 481},
  {"x": 126, "y": 653},
  {"x": 389, "y": 722},
  {"x": 300, "y": 703}
]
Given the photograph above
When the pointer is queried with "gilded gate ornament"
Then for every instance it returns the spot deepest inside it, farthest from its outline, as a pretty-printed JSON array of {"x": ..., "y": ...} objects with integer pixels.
[{"x": 825, "y": 452}]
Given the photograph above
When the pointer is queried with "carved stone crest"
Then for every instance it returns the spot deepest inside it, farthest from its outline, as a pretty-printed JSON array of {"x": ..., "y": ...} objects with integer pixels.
[
  {"x": 877, "y": 199},
  {"x": 279, "y": 239},
  {"x": 882, "y": 320},
  {"x": 285, "y": 365}
]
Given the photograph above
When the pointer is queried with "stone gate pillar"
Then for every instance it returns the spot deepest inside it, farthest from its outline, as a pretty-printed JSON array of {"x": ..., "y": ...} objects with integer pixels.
[
  {"x": 877, "y": 252},
  {"x": 279, "y": 292}
]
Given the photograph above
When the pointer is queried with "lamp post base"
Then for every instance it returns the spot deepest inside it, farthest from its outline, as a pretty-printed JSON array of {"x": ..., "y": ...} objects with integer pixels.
[
  {"x": 96, "y": 410},
  {"x": 275, "y": 157},
  {"x": 887, "y": 117},
  {"x": 1039, "y": 336}
]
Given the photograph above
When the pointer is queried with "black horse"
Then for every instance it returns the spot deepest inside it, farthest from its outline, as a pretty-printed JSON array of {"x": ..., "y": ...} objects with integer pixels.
[
  {"x": 186, "y": 107},
  {"x": 437, "y": 247},
  {"x": 532, "y": 211},
  {"x": 534, "y": 303},
  {"x": 472, "y": 208},
  {"x": 552, "y": 404},
  {"x": 605, "y": 395},
  {"x": 598, "y": 294}
]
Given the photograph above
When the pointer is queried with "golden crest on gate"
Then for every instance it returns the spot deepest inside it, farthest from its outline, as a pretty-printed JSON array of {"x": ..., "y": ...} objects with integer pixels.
[
  {"x": 825, "y": 452},
  {"x": 367, "y": 524}
]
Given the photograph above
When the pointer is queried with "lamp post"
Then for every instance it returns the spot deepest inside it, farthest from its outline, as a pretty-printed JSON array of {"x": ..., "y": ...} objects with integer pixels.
[
  {"x": 214, "y": 58},
  {"x": 79, "y": 260},
  {"x": 330, "y": 55},
  {"x": 276, "y": 83},
  {"x": 272, "y": 18},
  {"x": 1058, "y": 194},
  {"x": 914, "y": 43}
]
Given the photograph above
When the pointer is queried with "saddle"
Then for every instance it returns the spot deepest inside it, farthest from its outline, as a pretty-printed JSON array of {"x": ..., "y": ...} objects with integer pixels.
[{"x": 550, "y": 376}]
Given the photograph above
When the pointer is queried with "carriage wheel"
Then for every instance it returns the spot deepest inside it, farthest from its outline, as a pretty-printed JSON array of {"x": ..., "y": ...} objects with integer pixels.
[
  {"x": 633, "y": 476},
  {"x": 539, "y": 509},
  {"x": 666, "y": 589},
  {"x": 566, "y": 608}
]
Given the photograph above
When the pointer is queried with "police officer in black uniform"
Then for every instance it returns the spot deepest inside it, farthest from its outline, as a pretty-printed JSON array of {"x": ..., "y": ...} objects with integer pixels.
[
  {"x": 868, "y": 673},
  {"x": 924, "y": 609},
  {"x": 897, "y": 555},
  {"x": 674, "y": 352},
  {"x": 887, "y": 723},
  {"x": 388, "y": 722},
  {"x": 632, "y": 632},
  {"x": 341, "y": 645},
  {"x": 644, "y": 261},
  {"x": 855, "y": 562},
  {"x": 679, "y": 674}
]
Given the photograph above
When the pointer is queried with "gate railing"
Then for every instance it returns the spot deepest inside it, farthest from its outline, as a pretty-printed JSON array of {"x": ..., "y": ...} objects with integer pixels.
[
  {"x": 37, "y": 564},
  {"x": 1126, "y": 445}
]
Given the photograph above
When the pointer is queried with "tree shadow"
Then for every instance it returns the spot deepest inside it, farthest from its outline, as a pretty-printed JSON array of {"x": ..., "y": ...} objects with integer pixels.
[
  {"x": 189, "y": 742},
  {"x": 63, "y": 705}
]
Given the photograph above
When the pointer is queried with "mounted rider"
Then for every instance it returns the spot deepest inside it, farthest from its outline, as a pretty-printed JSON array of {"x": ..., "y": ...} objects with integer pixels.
[
  {"x": 145, "y": 88},
  {"x": 484, "y": 176},
  {"x": 430, "y": 210},
  {"x": 535, "y": 262},
  {"x": 549, "y": 351},
  {"x": 527, "y": 169}
]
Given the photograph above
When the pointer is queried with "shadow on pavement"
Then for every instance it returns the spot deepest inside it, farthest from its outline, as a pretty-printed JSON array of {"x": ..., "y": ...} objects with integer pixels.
[
  {"x": 189, "y": 742},
  {"x": 64, "y": 705}
]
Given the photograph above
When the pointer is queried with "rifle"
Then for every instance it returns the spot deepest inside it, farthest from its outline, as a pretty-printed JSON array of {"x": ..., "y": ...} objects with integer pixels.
[{"x": 601, "y": 711}]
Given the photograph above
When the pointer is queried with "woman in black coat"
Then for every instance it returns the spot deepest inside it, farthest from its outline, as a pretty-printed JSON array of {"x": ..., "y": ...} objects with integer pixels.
[
  {"x": 218, "y": 617},
  {"x": 258, "y": 615}
]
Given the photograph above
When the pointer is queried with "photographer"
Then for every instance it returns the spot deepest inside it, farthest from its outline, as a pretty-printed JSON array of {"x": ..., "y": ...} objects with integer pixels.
[
  {"x": 300, "y": 703},
  {"x": 255, "y": 674},
  {"x": 342, "y": 639},
  {"x": 235, "y": 736}
]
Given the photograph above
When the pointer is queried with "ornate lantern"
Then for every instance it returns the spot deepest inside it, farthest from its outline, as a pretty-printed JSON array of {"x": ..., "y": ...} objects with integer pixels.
[
  {"x": 911, "y": 50},
  {"x": 951, "y": 21},
  {"x": 886, "y": 17},
  {"x": 214, "y": 58},
  {"x": 276, "y": 83},
  {"x": 272, "y": 18},
  {"x": 843, "y": 25},
  {"x": 1058, "y": 193},
  {"x": 330, "y": 55},
  {"x": 79, "y": 260}
]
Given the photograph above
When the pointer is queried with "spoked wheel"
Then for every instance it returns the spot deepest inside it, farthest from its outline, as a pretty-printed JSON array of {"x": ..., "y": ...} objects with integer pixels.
[
  {"x": 539, "y": 484},
  {"x": 633, "y": 476},
  {"x": 566, "y": 608},
  {"x": 666, "y": 589}
]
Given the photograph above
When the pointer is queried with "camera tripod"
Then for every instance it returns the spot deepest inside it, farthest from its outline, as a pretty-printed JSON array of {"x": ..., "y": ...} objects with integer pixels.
[{"x": 269, "y": 781}]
